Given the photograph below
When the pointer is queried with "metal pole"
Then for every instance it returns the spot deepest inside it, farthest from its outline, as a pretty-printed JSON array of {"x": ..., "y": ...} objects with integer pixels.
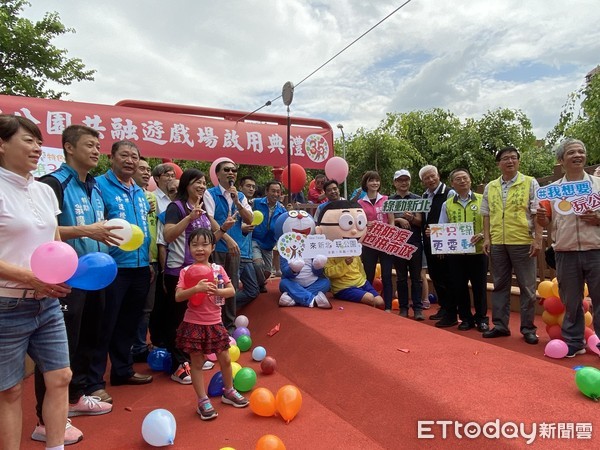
[
  {"x": 341, "y": 127},
  {"x": 289, "y": 154}
]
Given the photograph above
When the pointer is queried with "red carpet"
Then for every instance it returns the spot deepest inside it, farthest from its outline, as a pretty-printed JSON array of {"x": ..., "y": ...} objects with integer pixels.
[{"x": 360, "y": 391}]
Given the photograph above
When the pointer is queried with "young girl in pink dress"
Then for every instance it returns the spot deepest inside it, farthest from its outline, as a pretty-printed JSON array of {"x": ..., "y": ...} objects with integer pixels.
[{"x": 202, "y": 331}]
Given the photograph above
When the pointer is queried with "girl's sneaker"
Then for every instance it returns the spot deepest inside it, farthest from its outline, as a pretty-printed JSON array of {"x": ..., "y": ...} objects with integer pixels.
[
  {"x": 234, "y": 398},
  {"x": 205, "y": 409}
]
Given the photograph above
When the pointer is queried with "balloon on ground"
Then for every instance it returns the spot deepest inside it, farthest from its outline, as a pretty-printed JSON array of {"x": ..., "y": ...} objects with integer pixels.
[
  {"x": 259, "y": 353},
  {"x": 288, "y": 402},
  {"x": 245, "y": 379},
  {"x": 262, "y": 402},
  {"x": 244, "y": 342},
  {"x": 268, "y": 365},
  {"x": 270, "y": 442},
  {"x": 159, "y": 428},
  {"x": 241, "y": 321}
]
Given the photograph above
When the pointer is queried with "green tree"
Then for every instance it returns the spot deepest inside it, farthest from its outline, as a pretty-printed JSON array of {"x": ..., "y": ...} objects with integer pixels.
[
  {"x": 585, "y": 125},
  {"x": 28, "y": 60}
]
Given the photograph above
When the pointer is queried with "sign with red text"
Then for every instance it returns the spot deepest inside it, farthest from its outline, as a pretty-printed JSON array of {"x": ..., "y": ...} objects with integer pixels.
[{"x": 452, "y": 238}]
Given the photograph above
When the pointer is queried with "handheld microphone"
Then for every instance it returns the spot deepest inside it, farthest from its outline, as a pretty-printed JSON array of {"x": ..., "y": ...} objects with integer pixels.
[{"x": 231, "y": 183}]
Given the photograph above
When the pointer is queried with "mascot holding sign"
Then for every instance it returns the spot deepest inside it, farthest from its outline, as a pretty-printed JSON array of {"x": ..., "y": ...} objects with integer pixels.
[
  {"x": 302, "y": 280},
  {"x": 343, "y": 220}
]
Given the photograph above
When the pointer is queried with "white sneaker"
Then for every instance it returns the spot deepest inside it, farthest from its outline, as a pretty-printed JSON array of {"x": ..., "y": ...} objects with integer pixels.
[
  {"x": 182, "y": 374},
  {"x": 321, "y": 301},
  {"x": 286, "y": 300},
  {"x": 208, "y": 365}
]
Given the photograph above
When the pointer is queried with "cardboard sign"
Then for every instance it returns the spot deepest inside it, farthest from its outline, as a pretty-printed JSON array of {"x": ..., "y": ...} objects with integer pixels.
[{"x": 389, "y": 239}]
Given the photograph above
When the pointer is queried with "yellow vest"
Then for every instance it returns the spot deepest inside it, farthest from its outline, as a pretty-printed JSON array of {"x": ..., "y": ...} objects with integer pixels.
[
  {"x": 469, "y": 213},
  {"x": 508, "y": 222}
]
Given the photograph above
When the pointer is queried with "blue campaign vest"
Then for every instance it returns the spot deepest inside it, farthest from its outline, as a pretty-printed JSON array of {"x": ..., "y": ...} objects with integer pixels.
[
  {"x": 264, "y": 233},
  {"x": 129, "y": 204},
  {"x": 221, "y": 212},
  {"x": 82, "y": 204}
]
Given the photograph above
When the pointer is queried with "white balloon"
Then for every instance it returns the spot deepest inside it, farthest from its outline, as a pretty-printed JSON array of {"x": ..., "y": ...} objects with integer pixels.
[
  {"x": 241, "y": 321},
  {"x": 124, "y": 233},
  {"x": 159, "y": 428}
]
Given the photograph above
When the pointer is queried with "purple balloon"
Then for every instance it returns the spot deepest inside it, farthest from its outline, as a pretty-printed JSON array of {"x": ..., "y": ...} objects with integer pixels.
[{"x": 240, "y": 331}]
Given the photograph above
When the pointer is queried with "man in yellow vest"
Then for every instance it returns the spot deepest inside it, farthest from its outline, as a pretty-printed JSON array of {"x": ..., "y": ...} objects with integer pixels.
[
  {"x": 465, "y": 206},
  {"x": 512, "y": 239},
  {"x": 576, "y": 243}
]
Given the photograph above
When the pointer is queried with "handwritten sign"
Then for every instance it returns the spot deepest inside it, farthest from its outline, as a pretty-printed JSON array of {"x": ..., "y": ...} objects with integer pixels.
[
  {"x": 452, "y": 238},
  {"x": 389, "y": 239},
  {"x": 407, "y": 205}
]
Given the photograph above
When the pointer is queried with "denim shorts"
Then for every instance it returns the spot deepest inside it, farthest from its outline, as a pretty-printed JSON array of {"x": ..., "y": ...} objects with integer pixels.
[{"x": 34, "y": 327}]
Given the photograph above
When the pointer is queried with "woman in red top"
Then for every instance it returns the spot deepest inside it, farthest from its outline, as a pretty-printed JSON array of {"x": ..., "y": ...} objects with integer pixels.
[{"x": 372, "y": 204}]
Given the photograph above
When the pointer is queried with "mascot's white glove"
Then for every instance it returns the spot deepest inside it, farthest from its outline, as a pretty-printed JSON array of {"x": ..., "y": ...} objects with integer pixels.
[
  {"x": 296, "y": 264},
  {"x": 319, "y": 262}
]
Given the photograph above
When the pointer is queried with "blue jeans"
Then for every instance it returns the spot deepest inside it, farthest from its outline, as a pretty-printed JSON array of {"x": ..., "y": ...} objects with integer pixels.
[
  {"x": 573, "y": 269},
  {"x": 304, "y": 295},
  {"x": 34, "y": 327},
  {"x": 412, "y": 266},
  {"x": 505, "y": 259},
  {"x": 248, "y": 278}
]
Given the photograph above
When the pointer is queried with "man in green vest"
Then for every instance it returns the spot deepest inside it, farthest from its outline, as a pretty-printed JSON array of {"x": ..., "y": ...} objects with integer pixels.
[
  {"x": 465, "y": 206},
  {"x": 512, "y": 239}
]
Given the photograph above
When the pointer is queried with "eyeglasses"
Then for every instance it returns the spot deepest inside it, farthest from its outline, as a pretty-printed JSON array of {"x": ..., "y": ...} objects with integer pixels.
[
  {"x": 168, "y": 175},
  {"x": 509, "y": 158},
  {"x": 229, "y": 169}
]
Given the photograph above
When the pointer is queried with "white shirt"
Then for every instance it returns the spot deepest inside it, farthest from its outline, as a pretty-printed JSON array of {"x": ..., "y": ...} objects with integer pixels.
[
  {"x": 162, "y": 201},
  {"x": 209, "y": 202},
  {"x": 28, "y": 211}
]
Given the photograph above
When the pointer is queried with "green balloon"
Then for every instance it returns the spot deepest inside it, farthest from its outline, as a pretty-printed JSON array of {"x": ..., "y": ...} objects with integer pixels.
[
  {"x": 588, "y": 382},
  {"x": 244, "y": 342},
  {"x": 245, "y": 379}
]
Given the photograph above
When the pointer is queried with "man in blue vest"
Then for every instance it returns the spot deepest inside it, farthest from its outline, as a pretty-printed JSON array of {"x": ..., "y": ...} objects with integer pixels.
[
  {"x": 220, "y": 202},
  {"x": 81, "y": 225},
  {"x": 263, "y": 235},
  {"x": 126, "y": 296}
]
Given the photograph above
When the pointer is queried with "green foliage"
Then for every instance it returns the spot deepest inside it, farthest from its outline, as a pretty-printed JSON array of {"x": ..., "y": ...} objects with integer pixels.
[
  {"x": 582, "y": 123},
  {"x": 28, "y": 60}
]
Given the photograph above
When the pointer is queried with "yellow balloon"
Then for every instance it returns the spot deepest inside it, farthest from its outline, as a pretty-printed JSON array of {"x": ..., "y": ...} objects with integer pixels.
[
  {"x": 136, "y": 241},
  {"x": 235, "y": 368},
  {"x": 549, "y": 319},
  {"x": 560, "y": 319},
  {"x": 545, "y": 289},
  {"x": 555, "y": 289},
  {"x": 378, "y": 271},
  {"x": 234, "y": 353},
  {"x": 227, "y": 448},
  {"x": 258, "y": 217},
  {"x": 588, "y": 318},
  {"x": 586, "y": 291}
]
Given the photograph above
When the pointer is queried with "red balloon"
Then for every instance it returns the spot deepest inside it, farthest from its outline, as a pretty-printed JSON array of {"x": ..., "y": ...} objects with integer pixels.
[
  {"x": 176, "y": 168},
  {"x": 554, "y": 331},
  {"x": 553, "y": 305},
  {"x": 378, "y": 285},
  {"x": 196, "y": 273},
  {"x": 298, "y": 178},
  {"x": 587, "y": 332},
  {"x": 268, "y": 365},
  {"x": 586, "y": 304}
]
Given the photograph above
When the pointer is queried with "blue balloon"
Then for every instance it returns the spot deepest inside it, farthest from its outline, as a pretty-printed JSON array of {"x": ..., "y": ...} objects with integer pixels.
[
  {"x": 215, "y": 387},
  {"x": 157, "y": 358},
  {"x": 159, "y": 428},
  {"x": 259, "y": 353},
  {"x": 94, "y": 271}
]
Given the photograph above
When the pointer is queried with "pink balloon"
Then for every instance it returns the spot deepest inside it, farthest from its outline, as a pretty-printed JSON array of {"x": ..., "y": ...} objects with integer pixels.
[
  {"x": 54, "y": 262},
  {"x": 151, "y": 185},
  {"x": 211, "y": 357},
  {"x": 592, "y": 342},
  {"x": 212, "y": 171},
  {"x": 556, "y": 349},
  {"x": 336, "y": 169}
]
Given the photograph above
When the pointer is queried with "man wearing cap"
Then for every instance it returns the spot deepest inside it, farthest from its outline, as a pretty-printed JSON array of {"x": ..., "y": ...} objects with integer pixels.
[
  {"x": 512, "y": 239},
  {"x": 408, "y": 220}
]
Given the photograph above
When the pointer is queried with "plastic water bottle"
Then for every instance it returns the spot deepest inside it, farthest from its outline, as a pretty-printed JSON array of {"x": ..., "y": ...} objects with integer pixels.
[{"x": 220, "y": 300}]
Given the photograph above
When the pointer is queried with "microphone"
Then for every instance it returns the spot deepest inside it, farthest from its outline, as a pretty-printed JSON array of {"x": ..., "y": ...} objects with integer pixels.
[{"x": 231, "y": 183}]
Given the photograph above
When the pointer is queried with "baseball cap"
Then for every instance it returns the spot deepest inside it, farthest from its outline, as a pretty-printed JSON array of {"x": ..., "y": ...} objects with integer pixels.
[{"x": 401, "y": 173}]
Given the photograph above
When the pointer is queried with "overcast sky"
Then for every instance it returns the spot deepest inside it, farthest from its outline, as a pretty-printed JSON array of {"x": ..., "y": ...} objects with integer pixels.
[{"x": 466, "y": 56}]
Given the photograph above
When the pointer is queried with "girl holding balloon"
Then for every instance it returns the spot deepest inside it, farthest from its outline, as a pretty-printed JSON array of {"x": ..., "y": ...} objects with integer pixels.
[
  {"x": 206, "y": 286},
  {"x": 30, "y": 317},
  {"x": 183, "y": 216}
]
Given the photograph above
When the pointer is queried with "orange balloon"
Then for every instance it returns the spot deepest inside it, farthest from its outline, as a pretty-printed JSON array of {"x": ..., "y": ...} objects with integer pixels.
[
  {"x": 586, "y": 291},
  {"x": 549, "y": 319},
  {"x": 270, "y": 442},
  {"x": 545, "y": 289},
  {"x": 395, "y": 305},
  {"x": 288, "y": 401},
  {"x": 588, "y": 318},
  {"x": 262, "y": 402}
]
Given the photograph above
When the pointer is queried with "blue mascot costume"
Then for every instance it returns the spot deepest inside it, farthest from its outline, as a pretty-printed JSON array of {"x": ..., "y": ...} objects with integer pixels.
[{"x": 303, "y": 281}]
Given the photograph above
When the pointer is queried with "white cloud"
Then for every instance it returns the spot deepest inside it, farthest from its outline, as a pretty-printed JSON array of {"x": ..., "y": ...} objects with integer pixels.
[{"x": 463, "y": 56}]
